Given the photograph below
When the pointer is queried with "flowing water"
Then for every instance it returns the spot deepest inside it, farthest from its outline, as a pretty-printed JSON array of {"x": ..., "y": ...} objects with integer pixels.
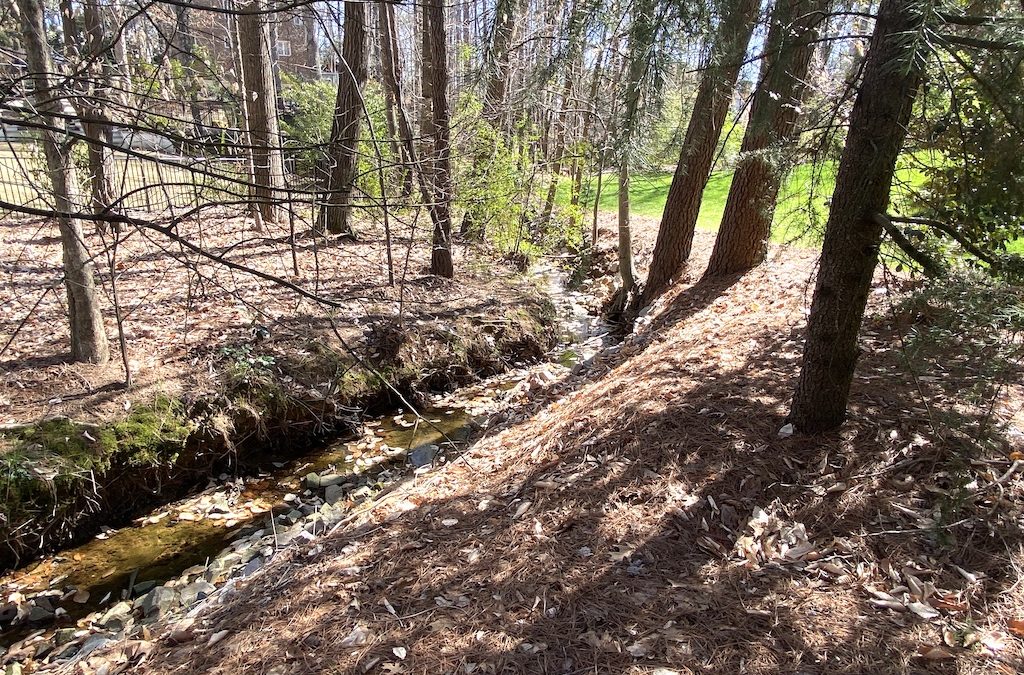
[{"x": 188, "y": 534}]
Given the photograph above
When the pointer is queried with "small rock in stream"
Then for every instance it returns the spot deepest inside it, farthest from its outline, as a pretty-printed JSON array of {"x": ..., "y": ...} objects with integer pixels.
[
  {"x": 196, "y": 591},
  {"x": 159, "y": 601},
  {"x": 333, "y": 494},
  {"x": 143, "y": 587},
  {"x": 38, "y": 614},
  {"x": 251, "y": 567}
]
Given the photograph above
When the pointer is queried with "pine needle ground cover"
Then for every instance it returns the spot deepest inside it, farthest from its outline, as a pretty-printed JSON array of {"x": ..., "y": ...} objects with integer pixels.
[{"x": 654, "y": 515}]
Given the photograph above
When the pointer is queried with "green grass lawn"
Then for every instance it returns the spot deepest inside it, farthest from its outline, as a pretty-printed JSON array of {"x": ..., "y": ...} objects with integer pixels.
[{"x": 799, "y": 218}]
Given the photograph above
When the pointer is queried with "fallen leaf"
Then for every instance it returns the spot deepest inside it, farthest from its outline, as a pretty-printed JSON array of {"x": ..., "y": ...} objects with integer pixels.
[
  {"x": 922, "y": 610},
  {"x": 934, "y": 653},
  {"x": 360, "y": 635}
]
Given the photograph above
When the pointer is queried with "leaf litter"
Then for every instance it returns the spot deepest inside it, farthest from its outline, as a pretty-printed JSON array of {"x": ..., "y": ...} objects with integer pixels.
[{"x": 752, "y": 558}]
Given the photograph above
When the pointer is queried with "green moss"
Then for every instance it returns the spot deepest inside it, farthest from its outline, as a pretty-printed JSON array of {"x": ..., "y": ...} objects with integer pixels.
[
  {"x": 52, "y": 455},
  {"x": 154, "y": 433}
]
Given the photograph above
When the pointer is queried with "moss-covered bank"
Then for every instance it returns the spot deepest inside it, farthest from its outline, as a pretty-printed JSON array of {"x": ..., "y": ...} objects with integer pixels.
[{"x": 61, "y": 480}]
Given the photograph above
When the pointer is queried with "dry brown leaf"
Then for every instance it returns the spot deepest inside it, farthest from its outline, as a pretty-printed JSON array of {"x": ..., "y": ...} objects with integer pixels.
[{"x": 934, "y": 653}]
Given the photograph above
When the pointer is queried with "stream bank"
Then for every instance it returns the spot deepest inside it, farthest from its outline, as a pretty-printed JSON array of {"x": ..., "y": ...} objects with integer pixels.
[
  {"x": 62, "y": 480},
  {"x": 176, "y": 557}
]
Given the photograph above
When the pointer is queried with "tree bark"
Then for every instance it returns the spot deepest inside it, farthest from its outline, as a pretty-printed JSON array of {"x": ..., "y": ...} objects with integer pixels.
[
  {"x": 558, "y": 152},
  {"x": 742, "y": 241},
  {"x": 186, "y": 54},
  {"x": 878, "y": 127},
  {"x": 505, "y": 14},
  {"x": 391, "y": 74},
  {"x": 440, "y": 208},
  {"x": 348, "y": 111},
  {"x": 627, "y": 267},
  {"x": 96, "y": 119},
  {"x": 88, "y": 338},
  {"x": 261, "y": 107},
  {"x": 675, "y": 235}
]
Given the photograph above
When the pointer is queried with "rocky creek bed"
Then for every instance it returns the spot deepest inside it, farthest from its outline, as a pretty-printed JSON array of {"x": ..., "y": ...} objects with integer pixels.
[{"x": 180, "y": 557}]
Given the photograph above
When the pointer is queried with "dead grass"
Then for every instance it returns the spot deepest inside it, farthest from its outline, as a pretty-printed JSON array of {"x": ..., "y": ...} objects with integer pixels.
[{"x": 615, "y": 525}]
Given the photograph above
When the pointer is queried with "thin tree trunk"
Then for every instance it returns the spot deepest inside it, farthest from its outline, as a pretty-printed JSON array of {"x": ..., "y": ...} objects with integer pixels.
[
  {"x": 347, "y": 116},
  {"x": 558, "y": 151},
  {"x": 506, "y": 12},
  {"x": 578, "y": 163},
  {"x": 675, "y": 235},
  {"x": 389, "y": 54},
  {"x": 261, "y": 105},
  {"x": 742, "y": 240},
  {"x": 88, "y": 337},
  {"x": 441, "y": 256},
  {"x": 627, "y": 267},
  {"x": 878, "y": 128}
]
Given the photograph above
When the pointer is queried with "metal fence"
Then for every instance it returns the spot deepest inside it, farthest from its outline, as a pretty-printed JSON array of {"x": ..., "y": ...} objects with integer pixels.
[{"x": 148, "y": 182}]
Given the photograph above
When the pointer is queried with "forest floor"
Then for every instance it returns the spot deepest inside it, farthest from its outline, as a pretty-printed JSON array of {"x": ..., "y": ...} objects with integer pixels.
[
  {"x": 227, "y": 358},
  {"x": 189, "y": 320},
  {"x": 653, "y": 515}
]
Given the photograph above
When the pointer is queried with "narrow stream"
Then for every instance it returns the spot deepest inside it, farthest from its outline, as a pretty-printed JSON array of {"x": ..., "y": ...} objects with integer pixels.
[{"x": 197, "y": 542}]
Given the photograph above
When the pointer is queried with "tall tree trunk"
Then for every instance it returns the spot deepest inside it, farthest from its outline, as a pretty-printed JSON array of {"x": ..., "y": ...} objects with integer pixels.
[
  {"x": 627, "y": 267},
  {"x": 392, "y": 76},
  {"x": 186, "y": 55},
  {"x": 506, "y": 12},
  {"x": 636, "y": 65},
  {"x": 261, "y": 106},
  {"x": 88, "y": 338},
  {"x": 248, "y": 148},
  {"x": 558, "y": 151},
  {"x": 392, "y": 80},
  {"x": 92, "y": 106},
  {"x": 441, "y": 256},
  {"x": 675, "y": 235},
  {"x": 878, "y": 127},
  {"x": 97, "y": 120},
  {"x": 578, "y": 163},
  {"x": 742, "y": 240},
  {"x": 348, "y": 110}
]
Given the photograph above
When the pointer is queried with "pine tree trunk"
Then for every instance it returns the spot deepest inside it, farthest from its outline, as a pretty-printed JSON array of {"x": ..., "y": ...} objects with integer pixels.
[
  {"x": 742, "y": 240},
  {"x": 441, "y": 256},
  {"x": 878, "y": 127},
  {"x": 347, "y": 116},
  {"x": 261, "y": 106},
  {"x": 675, "y": 235},
  {"x": 88, "y": 338}
]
